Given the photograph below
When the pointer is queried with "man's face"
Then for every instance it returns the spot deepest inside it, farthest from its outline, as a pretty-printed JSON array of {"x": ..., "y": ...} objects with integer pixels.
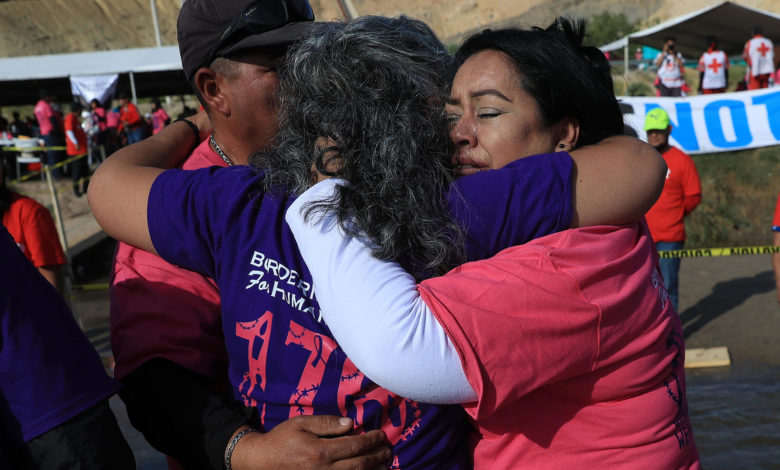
[
  {"x": 253, "y": 100},
  {"x": 658, "y": 139}
]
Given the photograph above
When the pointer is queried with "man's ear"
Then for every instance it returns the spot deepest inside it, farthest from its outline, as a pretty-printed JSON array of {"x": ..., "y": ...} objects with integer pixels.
[
  {"x": 209, "y": 86},
  {"x": 568, "y": 134}
]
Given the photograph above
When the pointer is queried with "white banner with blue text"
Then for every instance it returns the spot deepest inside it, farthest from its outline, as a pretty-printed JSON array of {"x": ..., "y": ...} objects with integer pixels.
[{"x": 713, "y": 123}]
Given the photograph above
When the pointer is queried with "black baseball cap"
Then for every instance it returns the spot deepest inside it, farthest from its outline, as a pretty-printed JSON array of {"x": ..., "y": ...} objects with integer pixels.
[{"x": 207, "y": 29}]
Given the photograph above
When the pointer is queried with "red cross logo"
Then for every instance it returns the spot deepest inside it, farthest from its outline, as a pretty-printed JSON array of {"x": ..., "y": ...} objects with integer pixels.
[
  {"x": 714, "y": 66},
  {"x": 763, "y": 49}
]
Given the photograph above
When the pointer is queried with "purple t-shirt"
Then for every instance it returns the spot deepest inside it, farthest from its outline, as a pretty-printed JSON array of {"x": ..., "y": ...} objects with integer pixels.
[
  {"x": 283, "y": 358},
  {"x": 49, "y": 372}
]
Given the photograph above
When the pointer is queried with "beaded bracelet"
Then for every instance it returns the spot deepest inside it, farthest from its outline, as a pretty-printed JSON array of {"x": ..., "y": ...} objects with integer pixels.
[{"x": 233, "y": 442}]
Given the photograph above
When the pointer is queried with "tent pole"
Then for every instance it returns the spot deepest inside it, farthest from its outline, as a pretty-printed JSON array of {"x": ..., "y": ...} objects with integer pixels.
[
  {"x": 156, "y": 24},
  {"x": 625, "y": 61},
  {"x": 132, "y": 88}
]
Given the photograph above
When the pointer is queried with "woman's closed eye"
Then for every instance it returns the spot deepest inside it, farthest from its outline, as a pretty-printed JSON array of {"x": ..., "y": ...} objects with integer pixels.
[{"x": 489, "y": 113}]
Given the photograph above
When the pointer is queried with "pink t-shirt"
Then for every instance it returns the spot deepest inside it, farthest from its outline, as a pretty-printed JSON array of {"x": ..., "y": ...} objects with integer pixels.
[
  {"x": 159, "y": 118},
  {"x": 112, "y": 118},
  {"x": 43, "y": 113},
  {"x": 161, "y": 310},
  {"x": 575, "y": 352}
]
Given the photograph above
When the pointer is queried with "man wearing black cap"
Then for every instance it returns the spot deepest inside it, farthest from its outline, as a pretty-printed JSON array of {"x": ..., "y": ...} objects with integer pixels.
[{"x": 166, "y": 330}]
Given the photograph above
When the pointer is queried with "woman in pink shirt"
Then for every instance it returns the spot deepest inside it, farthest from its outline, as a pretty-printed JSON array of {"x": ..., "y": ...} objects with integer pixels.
[
  {"x": 564, "y": 351},
  {"x": 160, "y": 118}
]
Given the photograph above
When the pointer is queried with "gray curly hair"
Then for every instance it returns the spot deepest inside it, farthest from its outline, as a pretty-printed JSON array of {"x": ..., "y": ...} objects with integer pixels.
[{"x": 375, "y": 86}]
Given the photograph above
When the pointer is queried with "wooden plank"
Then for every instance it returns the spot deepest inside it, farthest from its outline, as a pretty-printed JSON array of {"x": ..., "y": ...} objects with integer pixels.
[
  {"x": 82, "y": 232},
  {"x": 707, "y": 357}
]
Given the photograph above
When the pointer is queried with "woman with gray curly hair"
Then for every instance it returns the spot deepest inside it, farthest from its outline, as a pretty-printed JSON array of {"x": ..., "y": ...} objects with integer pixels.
[
  {"x": 375, "y": 88},
  {"x": 362, "y": 100}
]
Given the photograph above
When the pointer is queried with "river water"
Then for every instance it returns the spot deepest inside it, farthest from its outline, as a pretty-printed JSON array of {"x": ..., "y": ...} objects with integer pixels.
[{"x": 735, "y": 412}]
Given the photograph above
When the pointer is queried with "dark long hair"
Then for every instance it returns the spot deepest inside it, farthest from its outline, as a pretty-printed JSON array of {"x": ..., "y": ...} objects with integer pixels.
[
  {"x": 375, "y": 87},
  {"x": 565, "y": 78}
]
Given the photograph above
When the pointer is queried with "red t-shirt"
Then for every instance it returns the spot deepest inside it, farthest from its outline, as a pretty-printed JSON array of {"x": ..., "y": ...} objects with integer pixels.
[
  {"x": 162, "y": 310},
  {"x": 31, "y": 226},
  {"x": 129, "y": 116},
  {"x": 665, "y": 218},
  {"x": 776, "y": 220},
  {"x": 73, "y": 123}
]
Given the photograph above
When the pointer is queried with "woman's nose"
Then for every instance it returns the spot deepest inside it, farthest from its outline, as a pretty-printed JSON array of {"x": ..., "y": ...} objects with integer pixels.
[{"x": 463, "y": 133}]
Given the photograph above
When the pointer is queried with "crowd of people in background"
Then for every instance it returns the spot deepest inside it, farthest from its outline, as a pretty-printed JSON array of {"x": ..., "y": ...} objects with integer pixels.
[
  {"x": 713, "y": 67},
  {"x": 97, "y": 130}
]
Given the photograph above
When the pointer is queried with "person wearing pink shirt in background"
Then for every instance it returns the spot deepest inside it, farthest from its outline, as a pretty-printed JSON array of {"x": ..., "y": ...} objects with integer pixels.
[
  {"x": 50, "y": 128},
  {"x": 113, "y": 139},
  {"x": 160, "y": 118},
  {"x": 97, "y": 131}
]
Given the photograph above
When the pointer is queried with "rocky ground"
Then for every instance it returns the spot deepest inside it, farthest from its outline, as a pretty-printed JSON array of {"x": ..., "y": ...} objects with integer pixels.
[{"x": 34, "y": 27}]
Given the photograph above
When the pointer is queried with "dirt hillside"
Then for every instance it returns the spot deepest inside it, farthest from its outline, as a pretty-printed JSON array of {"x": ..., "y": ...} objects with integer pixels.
[{"x": 33, "y": 27}]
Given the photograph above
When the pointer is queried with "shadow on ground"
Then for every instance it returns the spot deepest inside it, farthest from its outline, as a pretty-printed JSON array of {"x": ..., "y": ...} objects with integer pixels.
[{"x": 725, "y": 296}]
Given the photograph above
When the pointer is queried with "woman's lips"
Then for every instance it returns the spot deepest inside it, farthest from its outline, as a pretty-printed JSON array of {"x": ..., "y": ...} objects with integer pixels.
[{"x": 466, "y": 166}]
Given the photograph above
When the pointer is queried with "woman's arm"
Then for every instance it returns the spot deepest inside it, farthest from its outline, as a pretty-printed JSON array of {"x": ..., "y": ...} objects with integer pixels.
[
  {"x": 119, "y": 190},
  {"x": 385, "y": 322},
  {"x": 615, "y": 181},
  {"x": 611, "y": 183},
  {"x": 53, "y": 274},
  {"x": 385, "y": 328}
]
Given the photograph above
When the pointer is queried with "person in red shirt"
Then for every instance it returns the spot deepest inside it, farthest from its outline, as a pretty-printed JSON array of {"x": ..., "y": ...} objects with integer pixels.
[
  {"x": 32, "y": 228},
  {"x": 76, "y": 143},
  {"x": 130, "y": 119},
  {"x": 776, "y": 256},
  {"x": 681, "y": 195}
]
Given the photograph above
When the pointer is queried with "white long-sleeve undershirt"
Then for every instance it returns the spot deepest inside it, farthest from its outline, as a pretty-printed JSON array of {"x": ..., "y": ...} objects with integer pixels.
[
  {"x": 72, "y": 137},
  {"x": 375, "y": 312}
]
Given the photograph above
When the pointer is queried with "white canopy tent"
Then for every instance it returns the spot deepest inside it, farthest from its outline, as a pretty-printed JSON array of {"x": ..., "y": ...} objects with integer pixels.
[
  {"x": 730, "y": 22},
  {"x": 21, "y": 76},
  {"x": 149, "y": 59}
]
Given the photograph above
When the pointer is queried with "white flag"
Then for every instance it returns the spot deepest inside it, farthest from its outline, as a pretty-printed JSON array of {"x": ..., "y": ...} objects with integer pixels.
[{"x": 89, "y": 87}]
